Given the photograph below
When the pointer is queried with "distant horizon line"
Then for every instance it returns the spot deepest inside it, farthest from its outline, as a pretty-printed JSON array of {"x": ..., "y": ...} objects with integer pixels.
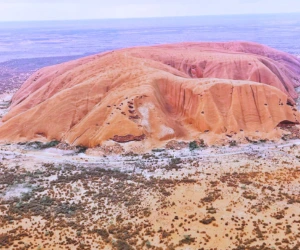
[{"x": 153, "y": 17}]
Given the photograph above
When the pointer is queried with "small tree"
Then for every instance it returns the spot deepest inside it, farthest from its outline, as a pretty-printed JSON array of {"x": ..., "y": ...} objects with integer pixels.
[{"x": 193, "y": 145}]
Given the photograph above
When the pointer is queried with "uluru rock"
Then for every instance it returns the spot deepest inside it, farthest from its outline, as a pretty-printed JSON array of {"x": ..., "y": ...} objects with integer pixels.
[{"x": 156, "y": 94}]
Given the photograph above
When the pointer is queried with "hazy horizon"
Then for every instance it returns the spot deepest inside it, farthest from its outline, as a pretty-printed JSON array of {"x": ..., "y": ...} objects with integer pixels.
[
  {"x": 64, "y": 10},
  {"x": 153, "y": 17}
]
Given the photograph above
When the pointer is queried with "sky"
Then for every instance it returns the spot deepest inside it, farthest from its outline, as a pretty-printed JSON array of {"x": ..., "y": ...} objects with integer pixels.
[{"x": 29, "y": 10}]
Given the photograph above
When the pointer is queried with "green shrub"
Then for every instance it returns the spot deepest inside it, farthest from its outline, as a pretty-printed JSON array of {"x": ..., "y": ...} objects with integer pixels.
[
  {"x": 80, "y": 149},
  {"x": 41, "y": 145},
  {"x": 193, "y": 145},
  {"x": 50, "y": 144}
]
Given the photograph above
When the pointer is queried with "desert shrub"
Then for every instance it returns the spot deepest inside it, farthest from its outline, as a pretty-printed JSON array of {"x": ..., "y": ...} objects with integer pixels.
[
  {"x": 41, "y": 145},
  {"x": 187, "y": 240},
  {"x": 80, "y": 149},
  {"x": 35, "y": 144},
  {"x": 193, "y": 145},
  {"x": 122, "y": 245},
  {"x": 174, "y": 164},
  {"x": 158, "y": 150},
  {"x": 176, "y": 161},
  {"x": 50, "y": 144}
]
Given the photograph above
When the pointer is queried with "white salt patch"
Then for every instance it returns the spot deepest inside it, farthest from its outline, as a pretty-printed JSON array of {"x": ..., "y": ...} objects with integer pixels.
[
  {"x": 9, "y": 157},
  {"x": 144, "y": 111},
  {"x": 164, "y": 131},
  {"x": 5, "y": 98},
  {"x": 58, "y": 151},
  {"x": 16, "y": 191},
  {"x": 52, "y": 178}
]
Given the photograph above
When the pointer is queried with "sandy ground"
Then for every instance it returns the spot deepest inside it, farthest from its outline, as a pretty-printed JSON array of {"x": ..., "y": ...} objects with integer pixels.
[{"x": 244, "y": 197}]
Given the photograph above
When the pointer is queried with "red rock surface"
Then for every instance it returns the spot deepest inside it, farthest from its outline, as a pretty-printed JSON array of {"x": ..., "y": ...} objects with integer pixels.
[{"x": 157, "y": 93}]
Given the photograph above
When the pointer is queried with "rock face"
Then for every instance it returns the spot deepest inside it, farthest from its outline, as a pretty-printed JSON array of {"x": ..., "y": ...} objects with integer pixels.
[{"x": 157, "y": 93}]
